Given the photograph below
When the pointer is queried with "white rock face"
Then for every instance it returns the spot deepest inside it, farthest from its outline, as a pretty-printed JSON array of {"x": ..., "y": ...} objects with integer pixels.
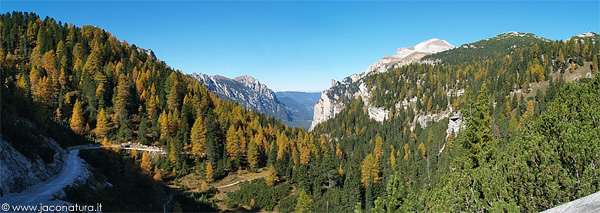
[
  {"x": 455, "y": 124},
  {"x": 408, "y": 55},
  {"x": 378, "y": 114},
  {"x": 326, "y": 109},
  {"x": 18, "y": 172},
  {"x": 329, "y": 105}
]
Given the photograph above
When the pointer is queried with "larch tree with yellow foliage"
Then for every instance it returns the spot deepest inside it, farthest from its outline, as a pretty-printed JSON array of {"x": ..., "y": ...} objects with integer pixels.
[
  {"x": 232, "y": 143},
  {"x": 134, "y": 154},
  {"x": 282, "y": 143},
  {"x": 507, "y": 108},
  {"x": 530, "y": 110},
  {"x": 101, "y": 124},
  {"x": 252, "y": 154},
  {"x": 407, "y": 152},
  {"x": 209, "y": 172},
  {"x": 304, "y": 148},
  {"x": 157, "y": 174},
  {"x": 198, "y": 137},
  {"x": 77, "y": 122},
  {"x": 392, "y": 157},
  {"x": 242, "y": 140},
  {"x": 423, "y": 150},
  {"x": 105, "y": 143},
  {"x": 272, "y": 177},
  {"x": 122, "y": 97},
  {"x": 339, "y": 152},
  {"x": 146, "y": 164},
  {"x": 164, "y": 128},
  {"x": 172, "y": 153},
  {"x": 369, "y": 171},
  {"x": 378, "y": 147}
]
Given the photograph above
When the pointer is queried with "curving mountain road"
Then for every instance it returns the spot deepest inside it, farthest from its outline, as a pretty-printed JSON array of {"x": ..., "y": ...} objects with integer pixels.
[{"x": 43, "y": 192}]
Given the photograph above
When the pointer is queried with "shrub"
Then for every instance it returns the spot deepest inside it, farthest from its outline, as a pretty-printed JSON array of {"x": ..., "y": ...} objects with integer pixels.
[
  {"x": 287, "y": 204},
  {"x": 265, "y": 197}
]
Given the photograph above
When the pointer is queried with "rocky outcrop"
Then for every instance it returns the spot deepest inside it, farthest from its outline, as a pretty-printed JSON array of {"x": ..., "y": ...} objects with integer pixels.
[
  {"x": 455, "y": 124},
  {"x": 148, "y": 52},
  {"x": 17, "y": 171},
  {"x": 333, "y": 100},
  {"x": 326, "y": 108},
  {"x": 256, "y": 86},
  {"x": 248, "y": 92}
]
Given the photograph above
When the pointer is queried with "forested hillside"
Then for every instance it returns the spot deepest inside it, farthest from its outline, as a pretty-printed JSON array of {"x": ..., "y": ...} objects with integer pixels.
[
  {"x": 82, "y": 84},
  {"x": 521, "y": 81},
  {"x": 529, "y": 140}
]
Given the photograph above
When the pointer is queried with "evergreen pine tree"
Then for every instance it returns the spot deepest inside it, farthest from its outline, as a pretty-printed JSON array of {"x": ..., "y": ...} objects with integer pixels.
[
  {"x": 478, "y": 127},
  {"x": 304, "y": 203}
]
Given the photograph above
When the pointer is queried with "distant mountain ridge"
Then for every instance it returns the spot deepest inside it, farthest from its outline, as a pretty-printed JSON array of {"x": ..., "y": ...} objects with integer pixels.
[
  {"x": 301, "y": 104},
  {"x": 247, "y": 91},
  {"x": 256, "y": 96},
  {"x": 503, "y": 43}
]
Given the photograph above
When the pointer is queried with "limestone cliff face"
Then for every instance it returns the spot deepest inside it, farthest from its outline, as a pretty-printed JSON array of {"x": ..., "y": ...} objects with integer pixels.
[
  {"x": 325, "y": 109},
  {"x": 334, "y": 99}
]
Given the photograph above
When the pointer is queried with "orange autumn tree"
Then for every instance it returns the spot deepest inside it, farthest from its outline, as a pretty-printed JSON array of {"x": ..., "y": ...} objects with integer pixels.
[
  {"x": 101, "y": 124},
  {"x": 77, "y": 122},
  {"x": 272, "y": 177},
  {"x": 369, "y": 171},
  {"x": 198, "y": 137}
]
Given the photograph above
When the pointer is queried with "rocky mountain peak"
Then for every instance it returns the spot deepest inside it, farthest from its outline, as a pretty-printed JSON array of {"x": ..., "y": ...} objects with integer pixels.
[
  {"x": 408, "y": 55},
  {"x": 256, "y": 86},
  {"x": 246, "y": 78},
  {"x": 148, "y": 52},
  {"x": 247, "y": 91}
]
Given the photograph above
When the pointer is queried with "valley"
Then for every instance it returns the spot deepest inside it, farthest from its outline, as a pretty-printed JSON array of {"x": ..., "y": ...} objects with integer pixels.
[
  {"x": 506, "y": 123},
  {"x": 292, "y": 108}
]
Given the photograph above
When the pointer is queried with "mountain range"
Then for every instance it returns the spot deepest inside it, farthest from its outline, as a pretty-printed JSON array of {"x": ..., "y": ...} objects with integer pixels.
[
  {"x": 292, "y": 108},
  {"x": 504, "y": 124}
]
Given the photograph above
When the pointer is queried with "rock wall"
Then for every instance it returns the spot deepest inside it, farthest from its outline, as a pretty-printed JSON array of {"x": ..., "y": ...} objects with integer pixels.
[{"x": 17, "y": 172}]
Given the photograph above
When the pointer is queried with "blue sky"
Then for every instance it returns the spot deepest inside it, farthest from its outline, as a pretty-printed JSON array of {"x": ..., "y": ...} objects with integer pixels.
[{"x": 302, "y": 45}]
